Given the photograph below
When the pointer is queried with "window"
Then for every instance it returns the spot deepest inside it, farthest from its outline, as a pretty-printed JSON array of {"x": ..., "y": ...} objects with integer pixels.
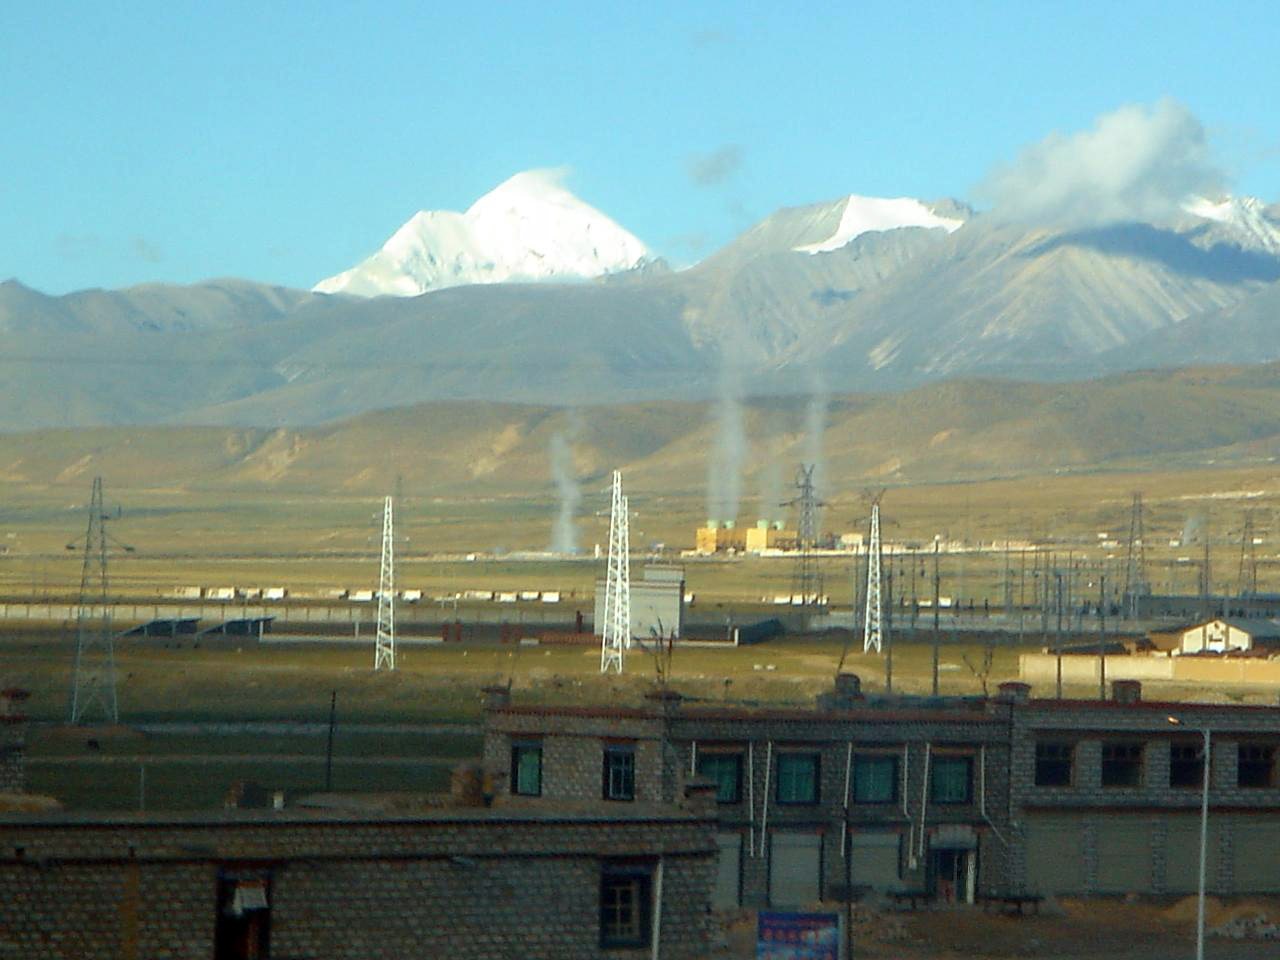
[
  {"x": 1122, "y": 764},
  {"x": 526, "y": 769},
  {"x": 798, "y": 778},
  {"x": 1256, "y": 764},
  {"x": 624, "y": 905},
  {"x": 951, "y": 779},
  {"x": 619, "y": 771},
  {"x": 1186, "y": 765},
  {"x": 726, "y": 770},
  {"x": 875, "y": 779},
  {"x": 1053, "y": 764}
]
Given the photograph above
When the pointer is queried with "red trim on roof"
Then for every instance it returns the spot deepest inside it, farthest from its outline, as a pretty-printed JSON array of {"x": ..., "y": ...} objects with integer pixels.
[
  {"x": 1167, "y": 706},
  {"x": 869, "y": 715}
]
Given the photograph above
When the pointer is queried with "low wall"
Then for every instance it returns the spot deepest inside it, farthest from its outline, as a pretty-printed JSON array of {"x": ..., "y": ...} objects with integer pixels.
[{"x": 1042, "y": 668}]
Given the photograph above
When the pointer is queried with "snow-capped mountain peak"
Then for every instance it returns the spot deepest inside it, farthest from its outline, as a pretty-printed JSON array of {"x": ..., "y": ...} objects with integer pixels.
[
  {"x": 526, "y": 229},
  {"x": 873, "y": 214},
  {"x": 1241, "y": 219}
]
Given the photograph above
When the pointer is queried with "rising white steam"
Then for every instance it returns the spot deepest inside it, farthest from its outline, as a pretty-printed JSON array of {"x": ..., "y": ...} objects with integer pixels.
[
  {"x": 564, "y": 534},
  {"x": 724, "y": 468}
]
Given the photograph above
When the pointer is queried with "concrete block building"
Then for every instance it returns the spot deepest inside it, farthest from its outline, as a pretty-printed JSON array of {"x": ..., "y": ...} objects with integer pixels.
[
  {"x": 892, "y": 793},
  {"x": 468, "y": 877},
  {"x": 461, "y": 883},
  {"x": 1105, "y": 795},
  {"x": 950, "y": 798}
]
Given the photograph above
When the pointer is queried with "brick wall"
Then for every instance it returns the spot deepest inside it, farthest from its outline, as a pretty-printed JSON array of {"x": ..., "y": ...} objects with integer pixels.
[
  {"x": 572, "y": 738},
  {"x": 13, "y": 740},
  {"x": 491, "y": 884},
  {"x": 13, "y": 734}
]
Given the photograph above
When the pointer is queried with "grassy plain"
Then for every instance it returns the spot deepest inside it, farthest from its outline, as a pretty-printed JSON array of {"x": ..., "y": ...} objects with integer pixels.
[{"x": 310, "y": 542}]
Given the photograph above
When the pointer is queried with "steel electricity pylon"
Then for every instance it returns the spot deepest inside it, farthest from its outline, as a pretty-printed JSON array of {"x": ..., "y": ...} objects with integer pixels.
[
  {"x": 1135, "y": 570},
  {"x": 873, "y": 620},
  {"x": 384, "y": 653},
  {"x": 807, "y": 582},
  {"x": 615, "y": 634},
  {"x": 93, "y": 680}
]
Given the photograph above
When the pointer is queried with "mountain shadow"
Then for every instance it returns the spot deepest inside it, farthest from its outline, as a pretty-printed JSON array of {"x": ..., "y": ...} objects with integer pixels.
[{"x": 1221, "y": 263}]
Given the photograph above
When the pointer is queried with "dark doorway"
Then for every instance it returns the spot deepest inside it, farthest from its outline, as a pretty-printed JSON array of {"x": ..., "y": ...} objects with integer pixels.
[{"x": 243, "y": 928}]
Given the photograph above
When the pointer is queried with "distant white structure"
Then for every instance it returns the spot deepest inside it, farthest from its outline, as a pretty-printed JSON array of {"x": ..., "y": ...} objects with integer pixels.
[
  {"x": 615, "y": 637},
  {"x": 872, "y": 627},
  {"x": 1226, "y": 634},
  {"x": 384, "y": 652}
]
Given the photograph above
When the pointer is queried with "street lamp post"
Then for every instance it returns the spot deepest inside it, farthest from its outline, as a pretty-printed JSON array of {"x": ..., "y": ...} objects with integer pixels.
[
  {"x": 1204, "y": 838},
  {"x": 1204, "y": 846}
]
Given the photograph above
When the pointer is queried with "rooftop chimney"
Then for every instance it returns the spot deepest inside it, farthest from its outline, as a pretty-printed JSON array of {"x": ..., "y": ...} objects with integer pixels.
[
  {"x": 1126, "y": 691},
  {"x": 496, "y": 696},
  {"x": 1014, "y": 691},
  {"x": 846, "y": 694}
]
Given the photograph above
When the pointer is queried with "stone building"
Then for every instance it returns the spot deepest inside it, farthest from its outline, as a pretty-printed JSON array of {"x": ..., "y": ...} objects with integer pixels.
[
  {"x": 1106, "y": 794},
  {"x": 946, "y": 797},
  {"x": 898, "y": 793},
  {"x": 465, "y": 876},
  {"x": 13, "y": 738},
  {"x": 496, "y": 883}
]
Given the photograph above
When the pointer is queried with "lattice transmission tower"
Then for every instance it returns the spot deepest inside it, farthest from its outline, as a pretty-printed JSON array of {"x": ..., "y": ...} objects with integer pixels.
[
  {"x": 93, "y": 680},
  {"x": 1135, "y": 570},
  {"x": 873, "y": 621},
  {"x": 384, "y": 652},
  {"x": 615, "y": 636},
  {"x": 1247, "y": 577},
  {"x": 806, "y": 581}
]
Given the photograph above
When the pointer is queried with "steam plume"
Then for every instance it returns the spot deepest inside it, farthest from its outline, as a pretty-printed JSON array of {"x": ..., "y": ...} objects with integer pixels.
[
  {"x": 724, "y": 469},
  {"x": 564, "y": 535}
]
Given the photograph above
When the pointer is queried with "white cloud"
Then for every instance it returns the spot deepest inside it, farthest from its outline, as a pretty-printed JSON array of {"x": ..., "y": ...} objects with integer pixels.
[{"x": 1137, "y": 163}]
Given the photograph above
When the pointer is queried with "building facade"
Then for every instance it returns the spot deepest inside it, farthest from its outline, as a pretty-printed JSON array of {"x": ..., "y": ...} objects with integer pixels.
[
  {"x": 893, "y": 794},
  {"x": 486, "y": 883},
  {"x": 1106, "y": 795},
  {"x": 947, "y": 798}
]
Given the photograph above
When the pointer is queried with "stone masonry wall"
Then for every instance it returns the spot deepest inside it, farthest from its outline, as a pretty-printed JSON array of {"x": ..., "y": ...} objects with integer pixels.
[
  {"x": 1152, "y": 804},
  {"x": 572, "y": 739},
  {"x": 13, "y": 733},
  {"x": 494, "y": 887}
]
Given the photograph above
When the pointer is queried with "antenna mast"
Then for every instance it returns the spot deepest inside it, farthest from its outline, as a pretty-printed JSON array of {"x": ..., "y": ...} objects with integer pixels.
[
  {"x": 872, "y": 624},
  {"x": 384, "y": 654},
  {"x": 93, "y": 684},
  {"x": 615, "y": 637}
]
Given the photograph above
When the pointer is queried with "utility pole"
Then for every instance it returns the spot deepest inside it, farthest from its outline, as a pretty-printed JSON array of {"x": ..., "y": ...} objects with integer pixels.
[
  {"x": 384, "y": 650},
  {"x": 93, "y": 682},
  {"x": 937, "y": 598},
  {"x": 1022, "y": 590},
  {"x": 888, "y": 630},
  {"x": 1247, "y": 578},
  {"x": 1102, "y": 636},
  {"x": 328, "y": 753}
]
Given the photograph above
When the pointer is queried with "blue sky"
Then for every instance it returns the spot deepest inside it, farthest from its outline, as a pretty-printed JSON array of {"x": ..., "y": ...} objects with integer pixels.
[{"x": 284, "y": 142}]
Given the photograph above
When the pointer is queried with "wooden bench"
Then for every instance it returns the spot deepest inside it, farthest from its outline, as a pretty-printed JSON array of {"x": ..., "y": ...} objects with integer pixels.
[{"x": 1012, "y": 902}]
